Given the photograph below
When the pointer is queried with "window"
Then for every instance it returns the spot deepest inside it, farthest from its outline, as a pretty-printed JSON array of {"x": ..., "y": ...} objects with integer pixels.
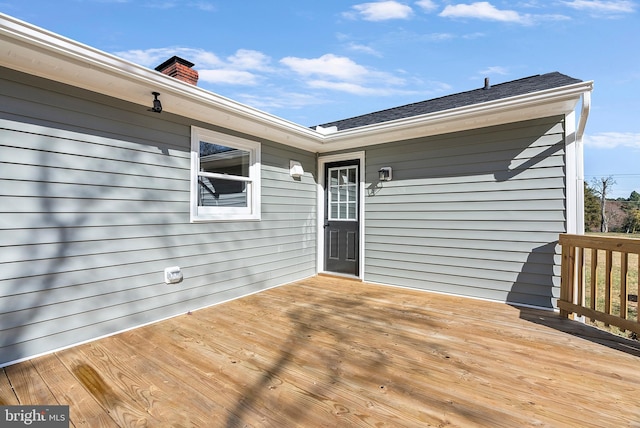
[{"x": 225, "y": 177}]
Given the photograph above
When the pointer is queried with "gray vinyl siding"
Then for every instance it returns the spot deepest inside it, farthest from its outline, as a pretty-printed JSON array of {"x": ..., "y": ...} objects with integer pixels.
[
  {"x": 94, "y": 204},
  {"x": 473, "y": 213}
]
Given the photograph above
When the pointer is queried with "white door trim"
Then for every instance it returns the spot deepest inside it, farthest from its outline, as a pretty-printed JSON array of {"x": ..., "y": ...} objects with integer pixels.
[{"x": 322, "y": 160}]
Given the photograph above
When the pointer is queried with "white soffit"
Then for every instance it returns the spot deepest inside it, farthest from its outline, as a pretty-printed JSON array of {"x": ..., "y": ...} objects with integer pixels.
[{"x": 35, "y": 51}]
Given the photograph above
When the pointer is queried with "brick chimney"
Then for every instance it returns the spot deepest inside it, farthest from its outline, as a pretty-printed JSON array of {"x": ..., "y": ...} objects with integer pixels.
[{"x": 180, "y": 69}]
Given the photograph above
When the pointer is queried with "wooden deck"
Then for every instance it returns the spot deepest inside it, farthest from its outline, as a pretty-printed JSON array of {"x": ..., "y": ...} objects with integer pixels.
[{"x": 328, "y": 352}]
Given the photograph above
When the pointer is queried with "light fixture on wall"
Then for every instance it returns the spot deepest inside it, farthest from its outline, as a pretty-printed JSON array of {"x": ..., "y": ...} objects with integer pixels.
[
  {"x": 157, "y": 105},
  {"x": 295, "y": 169},
  {"x": 385, "y": 173}
]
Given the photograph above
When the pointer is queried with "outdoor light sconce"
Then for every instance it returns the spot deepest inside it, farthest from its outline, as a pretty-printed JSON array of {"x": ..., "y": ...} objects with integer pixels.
[
  {"x": 385, "y": 173},
  {"x": 295, "y": 169},
  {"x": 157, "y": 105}
]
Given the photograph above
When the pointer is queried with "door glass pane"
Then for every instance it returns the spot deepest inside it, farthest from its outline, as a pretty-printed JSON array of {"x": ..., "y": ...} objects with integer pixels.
[
  {"x": 334, "y": 177},
  {"x": 352, "y": 175},
  {"x": 351, "y": 210},
  {"x": 333, "y": 191},
  {"x": 334, "y": 211},
  {"x": 352, "y": 193},
  {"x": 343, "y": 193}
]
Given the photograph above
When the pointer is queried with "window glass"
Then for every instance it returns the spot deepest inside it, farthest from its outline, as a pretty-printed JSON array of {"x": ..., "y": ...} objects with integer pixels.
[
  {"x": 224, "y": 160},
  {"x": 215, "y": 192},
  {"x": 225, "y": 177}
]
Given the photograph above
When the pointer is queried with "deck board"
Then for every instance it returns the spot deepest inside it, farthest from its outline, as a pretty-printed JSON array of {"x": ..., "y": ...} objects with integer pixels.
[
  {"x": 7, "y": 395},
  {"x": 330, "y": 352},
  {"x": 28, "y": 385}
]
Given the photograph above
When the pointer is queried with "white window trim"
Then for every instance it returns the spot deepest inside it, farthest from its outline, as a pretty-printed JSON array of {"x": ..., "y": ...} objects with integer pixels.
[{"x": 207, "y": 214}]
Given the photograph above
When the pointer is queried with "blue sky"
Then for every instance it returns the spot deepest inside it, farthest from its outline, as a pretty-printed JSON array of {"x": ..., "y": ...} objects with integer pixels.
[{"x": 313, "y": 62}]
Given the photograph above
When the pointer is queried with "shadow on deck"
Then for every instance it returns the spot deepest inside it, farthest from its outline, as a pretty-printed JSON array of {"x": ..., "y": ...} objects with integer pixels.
[{"x": 328, "y": 352}]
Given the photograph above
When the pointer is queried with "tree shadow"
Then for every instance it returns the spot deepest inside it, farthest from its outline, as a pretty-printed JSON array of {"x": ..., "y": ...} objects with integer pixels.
[
  {"x": 67, "y": 197},
  {"x": 309, "y": 322}
]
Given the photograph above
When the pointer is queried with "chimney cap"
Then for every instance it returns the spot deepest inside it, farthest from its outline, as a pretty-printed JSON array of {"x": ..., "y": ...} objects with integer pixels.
[{"x": 172, "y": 60}]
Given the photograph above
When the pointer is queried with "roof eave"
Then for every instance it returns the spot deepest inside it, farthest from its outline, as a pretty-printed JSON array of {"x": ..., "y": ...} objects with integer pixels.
[
  {"x": 38, "y": 52},
  {"x": 551, "y": 102}
]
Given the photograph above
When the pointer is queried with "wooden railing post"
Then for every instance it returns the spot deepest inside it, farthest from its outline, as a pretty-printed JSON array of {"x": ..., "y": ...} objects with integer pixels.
[{"x": 567, "y": 279}]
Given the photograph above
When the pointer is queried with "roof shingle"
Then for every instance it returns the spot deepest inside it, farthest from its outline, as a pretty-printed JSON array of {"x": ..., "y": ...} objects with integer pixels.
[{"x": 513, "y": 88}]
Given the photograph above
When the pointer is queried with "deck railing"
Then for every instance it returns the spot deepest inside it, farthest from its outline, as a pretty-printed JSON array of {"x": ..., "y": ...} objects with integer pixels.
[{"x": 600, "y": 279}]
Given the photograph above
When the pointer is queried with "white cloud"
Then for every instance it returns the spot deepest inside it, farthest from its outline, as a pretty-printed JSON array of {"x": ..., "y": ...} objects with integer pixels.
[
  {"x": 473, "y": 36},
  {"x": 612, "y": 140},
  {"x": 247, "y": 59},
  {"x": 170, "y": 4},
  {"x": 381, "y": 11},
  {"x": 348, "y": 87},
  {"x": 355, "y": 47},
  {"x": 427, "y": 5},
  {"x": 599, "y": 6},
  {"x": 342, "y": 74},
  {"x": 438, "y": 37},
  {"x": 207, "y": 7},
  {"x": 229, "y": 77},
  {"x": 482, "y": 10},
  {"x": 284, "y": 99},
  {"x": 496, "y": 69},
  {"x": 328, "y": 65},
  {"x": 161, "y": 5}
]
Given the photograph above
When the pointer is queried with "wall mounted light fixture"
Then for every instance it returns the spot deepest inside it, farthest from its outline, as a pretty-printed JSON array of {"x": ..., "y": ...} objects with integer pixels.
[
  {"x": 295, "y": 169},
  {"x": 385, "y": 173},
  {"x": 157, "y": 105}
]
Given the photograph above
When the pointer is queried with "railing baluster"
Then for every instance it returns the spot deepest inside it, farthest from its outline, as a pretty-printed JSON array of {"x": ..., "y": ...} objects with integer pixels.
[
  {"x": 580, "y": 265},
  {"x": 624, "y": 274},
  {"x": 608, "y": 281},
  {"x": 594, "y": 278}
]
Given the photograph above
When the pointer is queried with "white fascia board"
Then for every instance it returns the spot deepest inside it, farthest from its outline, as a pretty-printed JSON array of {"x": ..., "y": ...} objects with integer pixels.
[
  {"x": 552, "y": 102},
  {"x": 35, "y": 51}
]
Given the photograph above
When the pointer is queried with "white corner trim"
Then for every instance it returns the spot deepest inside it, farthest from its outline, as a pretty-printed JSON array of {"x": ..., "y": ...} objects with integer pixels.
[
  {"x": 579, "y": 154},
  {"x": 571, "y": 164},
  {"x": 574, "y": 159}
]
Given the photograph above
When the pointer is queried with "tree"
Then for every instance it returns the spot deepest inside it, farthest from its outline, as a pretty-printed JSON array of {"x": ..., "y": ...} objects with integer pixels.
[
  {"x": 601, "y": 187},
  {"x": 634, "y": 200},
  {"x": 632, "y": 222},
  {"x": 632, "y": 209},
  {"x": 591, "y": 210}
]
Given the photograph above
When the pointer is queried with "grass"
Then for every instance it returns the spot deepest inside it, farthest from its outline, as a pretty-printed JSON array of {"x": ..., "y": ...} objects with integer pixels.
[{"x": 632, "y": 286}]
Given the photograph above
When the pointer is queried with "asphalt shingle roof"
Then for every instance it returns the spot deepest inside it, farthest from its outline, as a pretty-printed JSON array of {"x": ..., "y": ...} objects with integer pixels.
[{"x": 513, "y": 88}]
